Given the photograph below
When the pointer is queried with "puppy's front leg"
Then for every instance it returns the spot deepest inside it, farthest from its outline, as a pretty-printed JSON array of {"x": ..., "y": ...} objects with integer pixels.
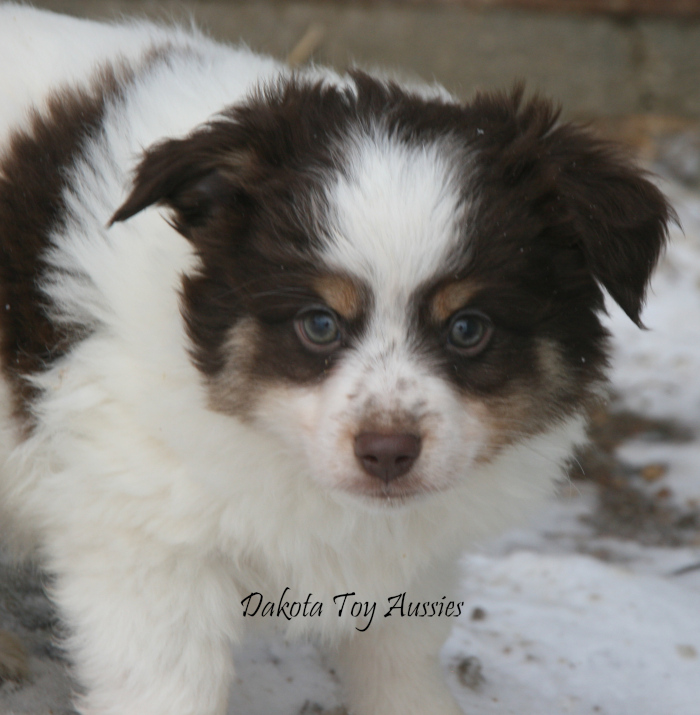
[
  {"x": 393, "y": 668},
  {"x": 149, "y": 630}
]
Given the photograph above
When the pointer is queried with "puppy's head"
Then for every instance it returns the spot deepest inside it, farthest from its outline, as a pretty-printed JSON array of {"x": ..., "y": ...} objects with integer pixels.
[{"x": 400, "y": 287}]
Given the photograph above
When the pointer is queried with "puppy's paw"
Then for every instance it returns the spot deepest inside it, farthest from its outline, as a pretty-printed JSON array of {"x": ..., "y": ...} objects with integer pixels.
[{"x": 14, "y": 661}]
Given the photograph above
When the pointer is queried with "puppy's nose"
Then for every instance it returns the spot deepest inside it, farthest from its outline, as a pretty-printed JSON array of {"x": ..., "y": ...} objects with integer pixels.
[{"x": 387, "y": 456}]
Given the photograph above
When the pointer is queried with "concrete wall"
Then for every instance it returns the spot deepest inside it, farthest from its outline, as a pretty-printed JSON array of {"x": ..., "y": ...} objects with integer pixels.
[{"x": 596, "y": 65}]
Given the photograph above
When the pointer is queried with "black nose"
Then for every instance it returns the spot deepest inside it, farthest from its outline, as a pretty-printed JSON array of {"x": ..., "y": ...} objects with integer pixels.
[{"x": 387, "y": 456}]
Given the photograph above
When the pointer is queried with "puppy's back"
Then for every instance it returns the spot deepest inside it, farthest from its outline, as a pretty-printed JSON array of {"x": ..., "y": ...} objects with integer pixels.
[{"x": 40, "y": 51}]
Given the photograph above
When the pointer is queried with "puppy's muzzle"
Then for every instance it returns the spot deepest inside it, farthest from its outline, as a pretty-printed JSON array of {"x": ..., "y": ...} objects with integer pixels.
[{"x": 387, "y": 456}]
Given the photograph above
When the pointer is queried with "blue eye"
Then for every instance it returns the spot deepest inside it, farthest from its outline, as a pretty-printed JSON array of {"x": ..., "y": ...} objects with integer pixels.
[
  {"x": 318, "y": 329},
  {"x": 469, "y": 332}
]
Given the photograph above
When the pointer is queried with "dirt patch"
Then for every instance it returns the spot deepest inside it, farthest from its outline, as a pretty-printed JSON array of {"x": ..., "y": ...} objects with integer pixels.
[{"x": 633, "y": 502}]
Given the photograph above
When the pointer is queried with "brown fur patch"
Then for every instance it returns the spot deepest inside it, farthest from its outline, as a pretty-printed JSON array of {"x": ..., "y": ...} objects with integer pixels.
[
  {"x": 14, "y": 661},
  {"x": 510, "y": 419},
  {"x": 531, "y": 406},
  {"x": 450, "y": 299},
  {"x": 552, "y": 365},
  {"x": 341, "y": 294},
  {"x": 35, "y": 170},
  {"x": 32, "y": 206},
  {"x": 232, "y": 390}
]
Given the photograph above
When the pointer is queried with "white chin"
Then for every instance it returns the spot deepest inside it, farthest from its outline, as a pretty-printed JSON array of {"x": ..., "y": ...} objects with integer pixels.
[{"x": 384, "y": 497}]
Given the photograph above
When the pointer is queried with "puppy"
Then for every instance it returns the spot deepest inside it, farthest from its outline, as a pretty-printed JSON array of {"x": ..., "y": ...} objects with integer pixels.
[{"x": 290, "y": 336}]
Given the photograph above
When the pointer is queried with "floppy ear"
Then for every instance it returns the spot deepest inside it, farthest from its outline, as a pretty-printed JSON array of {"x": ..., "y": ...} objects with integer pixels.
[
  {"x": 193, "y": 176},
  {"x": 619, "y": 218}
]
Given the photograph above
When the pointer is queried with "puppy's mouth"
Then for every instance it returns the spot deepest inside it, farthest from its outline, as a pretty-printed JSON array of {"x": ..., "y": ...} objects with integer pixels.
[{"x": 390, "y": 496}]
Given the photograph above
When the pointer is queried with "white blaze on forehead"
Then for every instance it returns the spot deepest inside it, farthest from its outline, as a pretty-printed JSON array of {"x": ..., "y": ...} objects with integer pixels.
[{"x": 395, "y": 213}]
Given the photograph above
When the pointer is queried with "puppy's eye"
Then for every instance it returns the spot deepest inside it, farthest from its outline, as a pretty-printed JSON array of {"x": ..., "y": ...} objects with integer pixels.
[
  {"x": 469, "y": 332},
  {"x": 318, "y": 329}
]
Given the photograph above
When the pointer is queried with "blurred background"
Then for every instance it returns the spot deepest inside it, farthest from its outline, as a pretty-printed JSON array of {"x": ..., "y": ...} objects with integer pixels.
[{"x": 631, "y": 65}]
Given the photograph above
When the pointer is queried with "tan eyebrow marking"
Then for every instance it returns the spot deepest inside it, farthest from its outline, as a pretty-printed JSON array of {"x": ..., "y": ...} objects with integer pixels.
[
  {"x": 450, "y": 299},
  {"x": 341, "y": 294}
]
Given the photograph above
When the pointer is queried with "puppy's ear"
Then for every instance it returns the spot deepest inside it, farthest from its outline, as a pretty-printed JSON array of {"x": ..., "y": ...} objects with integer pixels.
[
  {"x": 619, "y": 218},
  {"x": 195, "y": 177}
]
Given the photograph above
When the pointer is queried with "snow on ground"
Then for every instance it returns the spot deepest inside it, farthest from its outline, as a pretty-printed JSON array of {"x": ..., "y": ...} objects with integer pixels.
[
  {"x": 657, "y": 371},
  {"x": 569, "y": 634},
  {"x": 558, "y": 619}
]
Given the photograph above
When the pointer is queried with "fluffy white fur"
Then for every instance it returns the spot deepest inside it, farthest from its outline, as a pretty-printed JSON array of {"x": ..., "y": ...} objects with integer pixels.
[{"x": 158, "y": 514}]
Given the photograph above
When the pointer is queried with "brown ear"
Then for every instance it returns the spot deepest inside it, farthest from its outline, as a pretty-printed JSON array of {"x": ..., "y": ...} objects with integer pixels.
[
  {"x": 193, "y": 176},
  {"x": 619, "y": 218}
]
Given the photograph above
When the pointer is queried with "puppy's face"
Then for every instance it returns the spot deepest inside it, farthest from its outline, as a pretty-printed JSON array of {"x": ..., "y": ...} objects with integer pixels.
[{"x": 399, "y": 288}]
